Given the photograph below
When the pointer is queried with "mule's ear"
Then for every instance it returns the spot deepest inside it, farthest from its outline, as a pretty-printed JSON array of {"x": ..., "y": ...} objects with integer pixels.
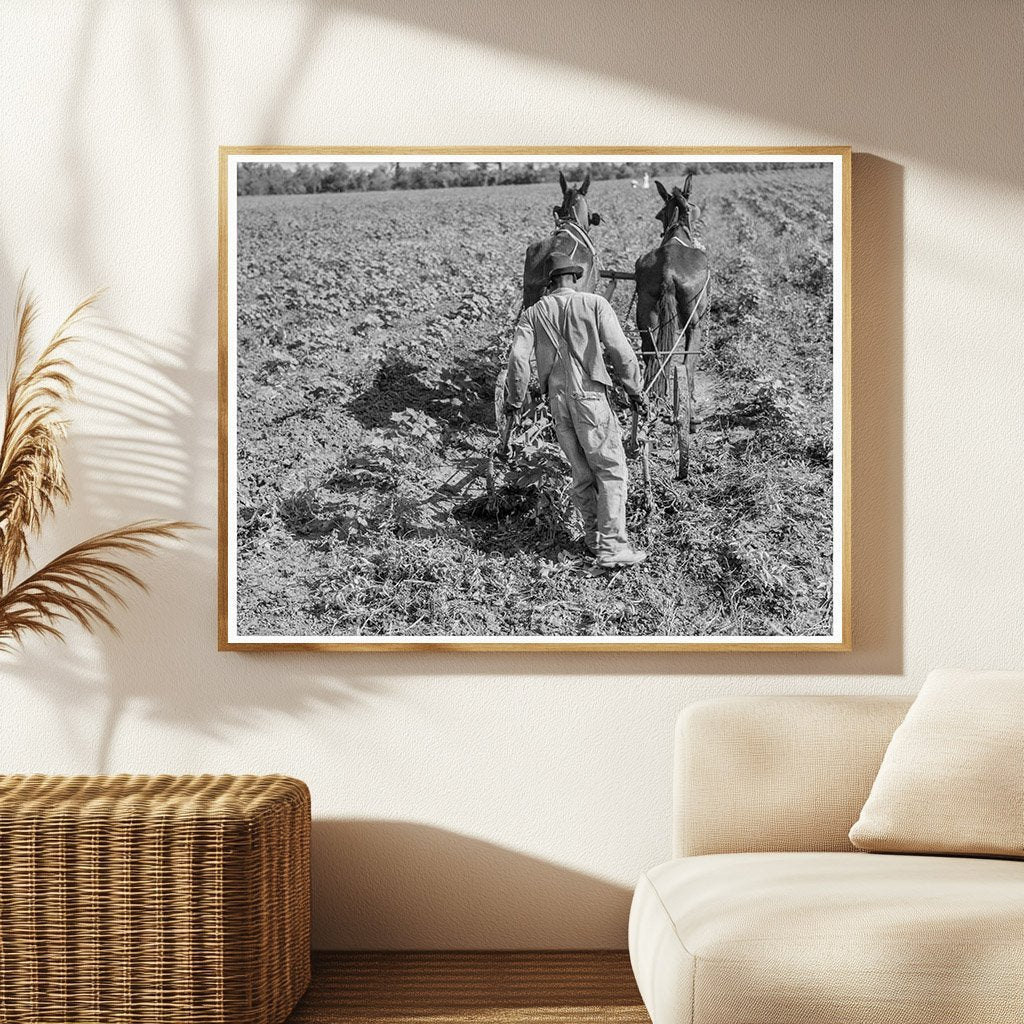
[
  {"x": 586, "y": 184},
  {"x": 662, "y": 191},
  {"x": 595, "y": 219},
  {"x": 687, "y": 185},
  {"x": 563, "y": 183}
]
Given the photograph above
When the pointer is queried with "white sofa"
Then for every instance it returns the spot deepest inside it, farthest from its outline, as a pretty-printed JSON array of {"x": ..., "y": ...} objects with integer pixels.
[{"x": 767, "y": 914}]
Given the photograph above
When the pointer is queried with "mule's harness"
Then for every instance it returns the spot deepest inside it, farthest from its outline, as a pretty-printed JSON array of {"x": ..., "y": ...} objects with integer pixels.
[
  {"x": 664, "y": 361},
  {"x": 571, "y": 227}
]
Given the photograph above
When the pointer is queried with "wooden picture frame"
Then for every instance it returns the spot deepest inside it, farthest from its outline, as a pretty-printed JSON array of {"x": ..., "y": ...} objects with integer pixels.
[{"x": 838, "y": 638}]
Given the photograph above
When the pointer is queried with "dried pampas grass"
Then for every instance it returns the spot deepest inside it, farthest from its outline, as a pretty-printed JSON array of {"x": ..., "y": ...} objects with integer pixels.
[{"x": 83, "y": 583}]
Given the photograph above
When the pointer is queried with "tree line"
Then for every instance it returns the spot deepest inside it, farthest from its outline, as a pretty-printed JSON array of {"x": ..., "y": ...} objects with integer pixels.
[{"x": 260, "y": 179}]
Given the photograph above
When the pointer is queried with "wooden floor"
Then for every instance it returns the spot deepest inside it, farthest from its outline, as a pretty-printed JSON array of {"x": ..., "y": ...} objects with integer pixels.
[{"x": 462, "y": 988}]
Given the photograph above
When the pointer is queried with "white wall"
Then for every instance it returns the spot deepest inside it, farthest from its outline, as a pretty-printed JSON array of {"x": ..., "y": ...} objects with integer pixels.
[{"x": 482, "y": 800}]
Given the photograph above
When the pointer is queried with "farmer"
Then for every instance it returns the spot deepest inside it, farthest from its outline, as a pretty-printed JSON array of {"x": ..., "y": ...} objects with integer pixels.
[{"x": 572, "y": 334}]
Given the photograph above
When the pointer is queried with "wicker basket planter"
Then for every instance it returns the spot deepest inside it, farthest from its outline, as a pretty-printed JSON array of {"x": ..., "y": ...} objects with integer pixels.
[{"x": 137, "y": 899}]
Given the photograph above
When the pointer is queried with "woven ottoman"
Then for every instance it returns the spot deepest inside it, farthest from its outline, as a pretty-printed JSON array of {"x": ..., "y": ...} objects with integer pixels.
[{"x": 136, "y": 899}]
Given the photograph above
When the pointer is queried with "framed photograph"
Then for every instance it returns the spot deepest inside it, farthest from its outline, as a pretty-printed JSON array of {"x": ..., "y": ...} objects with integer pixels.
[{"x": 591, "y": 399}]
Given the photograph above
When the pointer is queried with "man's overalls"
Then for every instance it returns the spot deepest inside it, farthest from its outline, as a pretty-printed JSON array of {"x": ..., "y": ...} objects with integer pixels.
[{"x": 587, "y": 429}]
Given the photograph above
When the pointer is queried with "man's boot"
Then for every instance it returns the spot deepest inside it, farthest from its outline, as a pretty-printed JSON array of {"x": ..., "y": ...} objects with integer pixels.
[{"x": 622, "y": 559}]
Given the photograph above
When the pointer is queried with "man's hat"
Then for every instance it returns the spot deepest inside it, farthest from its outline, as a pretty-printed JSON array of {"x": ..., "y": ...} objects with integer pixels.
[{"x": 558, "y": 263}]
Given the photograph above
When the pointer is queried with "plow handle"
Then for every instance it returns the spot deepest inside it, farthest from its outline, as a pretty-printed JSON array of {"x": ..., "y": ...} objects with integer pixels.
[
  {"x": 506, "y": 434},
  {"x": 641, "y": 450}
]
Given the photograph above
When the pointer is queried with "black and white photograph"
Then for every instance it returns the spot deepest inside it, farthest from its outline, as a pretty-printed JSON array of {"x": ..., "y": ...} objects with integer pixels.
[{"x": 507, "y": 400}]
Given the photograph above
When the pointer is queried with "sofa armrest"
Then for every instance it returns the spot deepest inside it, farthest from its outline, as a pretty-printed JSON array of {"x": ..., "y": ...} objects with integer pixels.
[{"x": 760, "y": 774}]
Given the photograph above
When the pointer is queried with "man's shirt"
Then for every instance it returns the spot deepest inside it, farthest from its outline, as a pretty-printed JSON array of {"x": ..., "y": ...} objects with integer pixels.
[{"x": 586, "y": 327}]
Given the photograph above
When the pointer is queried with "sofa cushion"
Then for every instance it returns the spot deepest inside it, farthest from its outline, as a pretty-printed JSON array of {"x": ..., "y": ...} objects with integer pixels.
[
  {"x": 791, "y": 938},
  {"x": 950, "y": 781},
  {"x": 775, "y": 772}
]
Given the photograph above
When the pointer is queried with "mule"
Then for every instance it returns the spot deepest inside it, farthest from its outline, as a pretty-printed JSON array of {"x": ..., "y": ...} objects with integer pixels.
[
  {"x": 672, "y": 286},
  {"x": 573, "y": 221}
]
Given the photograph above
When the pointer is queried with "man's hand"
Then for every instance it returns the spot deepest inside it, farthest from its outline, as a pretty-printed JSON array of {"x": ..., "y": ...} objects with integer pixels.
[{"x": 638, "y": 403}]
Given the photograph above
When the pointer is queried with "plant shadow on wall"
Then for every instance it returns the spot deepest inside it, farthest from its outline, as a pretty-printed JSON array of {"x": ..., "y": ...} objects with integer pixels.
[
  {"x": 147, "y": 447},
  {"x": 405, "y": 885},
  {"x": 135, "y": 453}
]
